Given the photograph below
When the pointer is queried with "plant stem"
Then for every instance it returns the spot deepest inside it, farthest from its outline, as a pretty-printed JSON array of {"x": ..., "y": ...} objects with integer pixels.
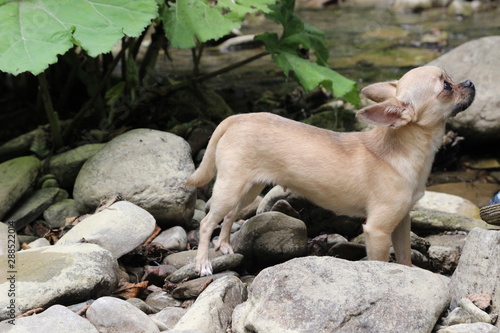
[
  {"x": 53, "y": 117},
  {"x": 166, "y": 89}
]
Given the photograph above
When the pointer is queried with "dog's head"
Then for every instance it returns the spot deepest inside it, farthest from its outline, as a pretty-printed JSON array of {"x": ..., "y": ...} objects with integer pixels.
[{"x": 425, "y": 95}]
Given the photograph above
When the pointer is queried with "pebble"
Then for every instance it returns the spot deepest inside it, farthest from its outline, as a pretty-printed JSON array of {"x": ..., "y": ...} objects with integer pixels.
[
  {"x": 55, "y": 216},
  {"x": 174, "y": 239}
]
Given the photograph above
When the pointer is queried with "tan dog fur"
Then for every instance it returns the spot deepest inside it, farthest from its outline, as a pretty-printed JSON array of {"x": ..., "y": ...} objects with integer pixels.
[{"x": 378, "y": 174}]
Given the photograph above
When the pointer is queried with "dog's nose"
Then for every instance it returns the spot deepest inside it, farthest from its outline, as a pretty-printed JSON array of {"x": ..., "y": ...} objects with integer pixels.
[{"x": 467, "y": 84}]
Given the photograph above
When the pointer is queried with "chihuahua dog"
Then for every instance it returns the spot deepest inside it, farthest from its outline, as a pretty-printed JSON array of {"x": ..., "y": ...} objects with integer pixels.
[{"x": 379, "y": 174}]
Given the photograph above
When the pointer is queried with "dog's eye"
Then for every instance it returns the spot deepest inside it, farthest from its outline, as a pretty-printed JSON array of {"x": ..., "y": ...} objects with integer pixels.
[{"x": 447, "y": 86}]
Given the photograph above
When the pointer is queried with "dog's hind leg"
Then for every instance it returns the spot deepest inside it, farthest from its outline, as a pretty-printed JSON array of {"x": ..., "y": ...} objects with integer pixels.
[
  {"x": 225, "y": 199},
  {"x": 401, "y": 241},
  {"x": 223, "y": 242}
]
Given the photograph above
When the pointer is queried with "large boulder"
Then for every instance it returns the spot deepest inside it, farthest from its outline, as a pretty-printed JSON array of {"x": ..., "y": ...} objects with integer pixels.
[
  {"x": 146, "y": 167},
  {"x": 478, "y": 61},
  {"x": 57, "y": 274},
  {"x": 325, "y": 294}
]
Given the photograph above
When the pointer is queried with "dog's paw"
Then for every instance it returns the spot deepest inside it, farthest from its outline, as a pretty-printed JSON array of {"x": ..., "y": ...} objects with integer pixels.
[
  {"x": 225, "y": 248},
  {"x": 204, "y": 267}
]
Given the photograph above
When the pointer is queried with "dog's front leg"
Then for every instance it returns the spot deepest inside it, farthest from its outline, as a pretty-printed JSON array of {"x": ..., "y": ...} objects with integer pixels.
[{"x": 401, "y": 241}]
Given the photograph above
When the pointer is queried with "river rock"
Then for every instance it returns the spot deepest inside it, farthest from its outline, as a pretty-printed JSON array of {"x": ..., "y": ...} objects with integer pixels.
[
  {"x": 146, "y": 167},
  {"x": 169, "y": 316},
  {"x": 449, "y": 203},
  {"x": 211, "y": 313},
  {"x": 478, "y": 61},
  {"x": 62, "y": 274},
  {"x": 65, "y": 166},
  {"x": 433, "y": 221},
  {"x": 219, "y": 264},
  {"x": 17, "y": 177},
  {"x": 470, "y": 328},
  {"x": 35, "y": 205},
  {"x": 479, "y": 268},
  {"x": 160, "y": 299},
  {"x": 120, "y": 228},
  {"x": 55, "y": 216},
  {"x": 271, "y": 238},
  {"x": 174, "y": 239},
  {"x": 56, "y": 319},
  {"x": 184, "y": 258},
  {"x": 110, "y": 314},
  {"x": 324, "y": 294}
]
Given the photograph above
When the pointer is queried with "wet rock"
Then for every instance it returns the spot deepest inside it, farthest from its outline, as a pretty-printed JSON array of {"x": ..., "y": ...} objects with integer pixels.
[
  {"x": 271, "y": 238},
  {"x": 62, "y": 274},
  {"x": 211, "y": 313},
  {"x": 174, "y": 239},
  {"x": 478, "y": 61},
  {"x": 324, "y": 294},
  {"x": 65, "y": 166},
  {"x": 146, "y": 167},
  {"x": 435, "y": 221},
  {"x": 17, "y": 177},
  {"x": 169, "y": 316},
  {"x": 110, "y": 314},
  {"x": 120, "y": 228},
  {"x": 55, "y": 216},
  {"x": 56, "y": 319},
  {"x": 35, "y": 205},
  {"x": 449, "y": 203},
  {"x": 160, "y": 299},
  {"x": 156, "y": 274},
  {"x": 479, "y": 268}
]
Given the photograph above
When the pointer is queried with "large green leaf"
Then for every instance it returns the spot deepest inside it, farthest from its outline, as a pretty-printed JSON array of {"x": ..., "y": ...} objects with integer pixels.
[
  {"x": 188, "y": 21},
  {"x": 34, "y": 32},
  {"x": 286, "y": 52}
]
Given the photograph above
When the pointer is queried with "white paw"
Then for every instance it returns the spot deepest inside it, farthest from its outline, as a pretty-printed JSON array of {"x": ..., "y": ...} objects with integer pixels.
[
  {"x": 204, "y": 267},
  {"x": 225, "y": 248}
]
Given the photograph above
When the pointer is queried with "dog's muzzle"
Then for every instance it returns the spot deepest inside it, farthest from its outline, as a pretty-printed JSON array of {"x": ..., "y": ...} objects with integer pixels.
[{"x": 469, "y": 92}]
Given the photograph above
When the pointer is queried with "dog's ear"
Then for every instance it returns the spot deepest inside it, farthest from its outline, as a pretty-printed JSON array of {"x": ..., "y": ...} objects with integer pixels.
[
  {"x": 391, "y": 113},
  {"x": 379, "y": 92}
]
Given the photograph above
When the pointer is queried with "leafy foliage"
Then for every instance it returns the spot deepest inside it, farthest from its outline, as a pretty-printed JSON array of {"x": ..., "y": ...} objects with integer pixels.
[
  {"x": 287, "y": 53},
  {"x": 34, "y": 32},
  {"x": 189, "y": 21}
]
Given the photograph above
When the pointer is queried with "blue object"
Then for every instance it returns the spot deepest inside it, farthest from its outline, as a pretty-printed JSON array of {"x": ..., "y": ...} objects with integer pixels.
[{"x": 496, "y": 199}]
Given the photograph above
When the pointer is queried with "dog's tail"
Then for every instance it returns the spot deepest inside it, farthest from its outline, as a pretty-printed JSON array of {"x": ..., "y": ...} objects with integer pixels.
[{"x": 207, "y": 169}]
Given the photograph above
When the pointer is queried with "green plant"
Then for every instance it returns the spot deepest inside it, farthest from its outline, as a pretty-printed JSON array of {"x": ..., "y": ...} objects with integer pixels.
[{"x": 37, "y": 33}]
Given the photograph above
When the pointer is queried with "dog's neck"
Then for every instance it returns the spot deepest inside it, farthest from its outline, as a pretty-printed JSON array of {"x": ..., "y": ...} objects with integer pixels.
[{"x": 409, "y": 149}]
